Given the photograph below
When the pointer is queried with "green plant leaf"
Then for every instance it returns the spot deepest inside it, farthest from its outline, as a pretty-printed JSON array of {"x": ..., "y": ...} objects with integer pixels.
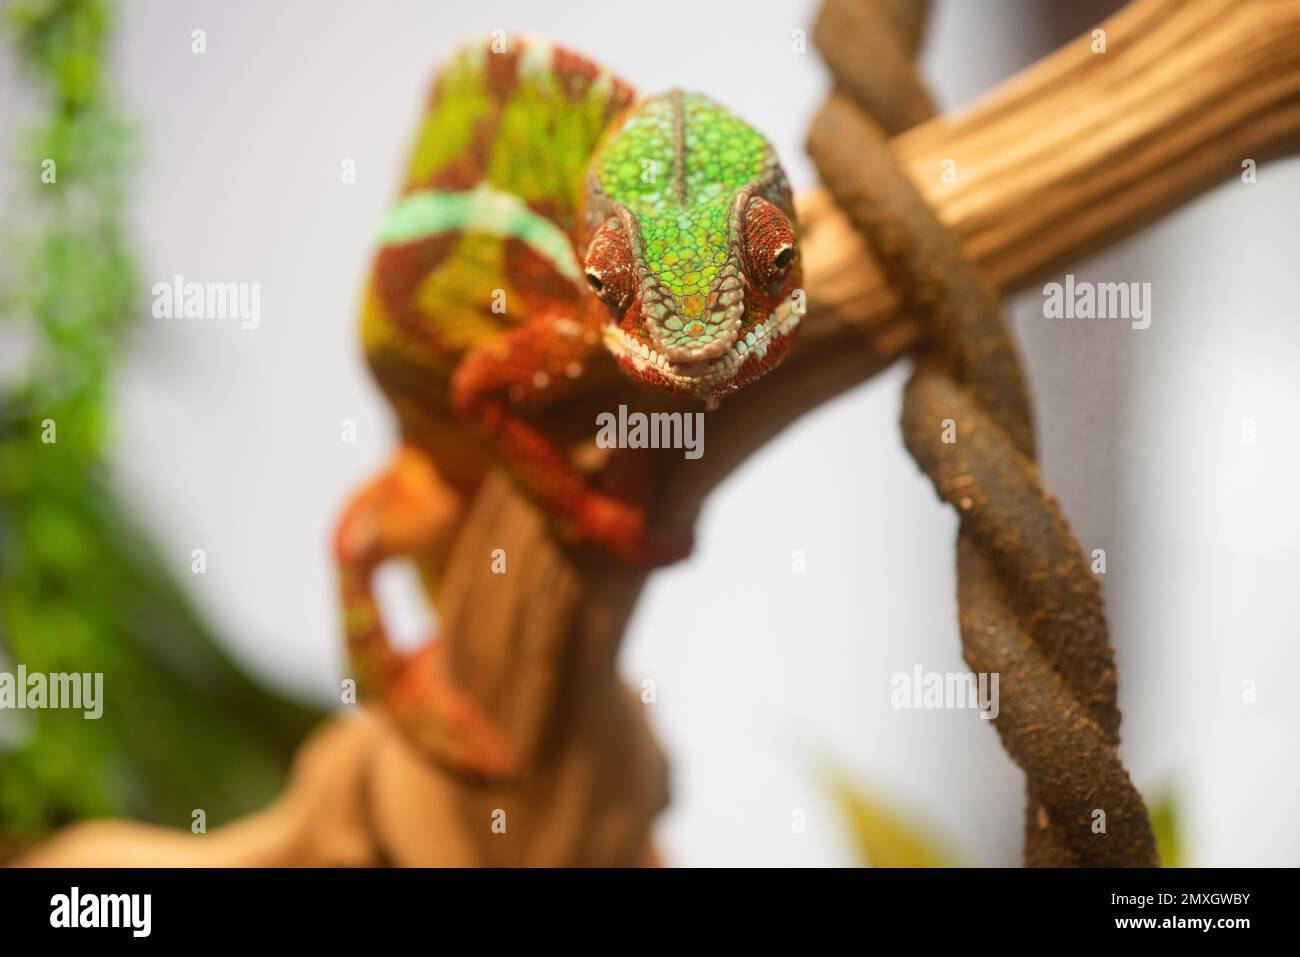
[{"x": 82, "y": 588}]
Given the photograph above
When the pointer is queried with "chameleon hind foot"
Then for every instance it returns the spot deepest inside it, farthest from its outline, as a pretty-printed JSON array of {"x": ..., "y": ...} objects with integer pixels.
[{"x": 442, "y": 719}]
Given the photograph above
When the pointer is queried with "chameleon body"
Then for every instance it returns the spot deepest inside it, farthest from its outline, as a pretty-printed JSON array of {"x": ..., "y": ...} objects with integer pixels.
[{"x": 550, "y": 220}]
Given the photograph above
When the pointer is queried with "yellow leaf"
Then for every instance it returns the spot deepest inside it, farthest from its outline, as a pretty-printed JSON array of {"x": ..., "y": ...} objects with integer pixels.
[
  {"x": 884, "y": 836},
  {"x": 1164, "y": 822}
]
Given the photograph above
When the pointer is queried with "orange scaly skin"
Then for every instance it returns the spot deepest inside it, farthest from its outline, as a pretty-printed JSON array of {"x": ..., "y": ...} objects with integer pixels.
[{"x": 526, "y": 248}]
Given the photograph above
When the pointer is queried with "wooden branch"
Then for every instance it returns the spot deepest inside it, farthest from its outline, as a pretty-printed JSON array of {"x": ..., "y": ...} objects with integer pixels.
[
  {"x": 1069, "y": 155},
  {"x": 1084, "y": 148}
]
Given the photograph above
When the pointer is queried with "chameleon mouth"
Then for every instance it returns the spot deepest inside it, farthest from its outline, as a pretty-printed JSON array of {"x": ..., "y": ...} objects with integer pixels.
[{"x": 699, "y": 377}]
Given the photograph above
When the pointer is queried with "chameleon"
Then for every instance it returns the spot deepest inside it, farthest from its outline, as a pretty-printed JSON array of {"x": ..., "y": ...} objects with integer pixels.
[{"x": 554, "y": 229}]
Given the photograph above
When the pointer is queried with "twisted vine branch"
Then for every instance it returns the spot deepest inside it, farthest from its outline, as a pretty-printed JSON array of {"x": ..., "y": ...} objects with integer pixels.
[{"x": 1030, "y": 611}]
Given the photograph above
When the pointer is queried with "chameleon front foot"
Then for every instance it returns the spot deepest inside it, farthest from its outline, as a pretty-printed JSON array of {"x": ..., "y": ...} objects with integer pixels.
[
  {"x": 442, "y": 719},
  {"x": 621, "y": 530}
]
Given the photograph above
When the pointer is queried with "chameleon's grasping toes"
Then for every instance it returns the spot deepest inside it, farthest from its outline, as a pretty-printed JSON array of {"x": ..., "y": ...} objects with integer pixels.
[{"x": 550, "y": 218}]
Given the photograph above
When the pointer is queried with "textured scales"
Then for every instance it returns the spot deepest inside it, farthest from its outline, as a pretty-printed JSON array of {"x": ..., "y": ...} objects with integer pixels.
[
  {"x": 692, "y": 247},
  {"x": 676, "y": 164},
  {"x": 482, "y": 236}
]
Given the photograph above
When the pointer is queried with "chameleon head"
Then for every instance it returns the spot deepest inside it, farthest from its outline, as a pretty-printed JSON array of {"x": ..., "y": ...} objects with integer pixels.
[{"x": 689, "y": 243}]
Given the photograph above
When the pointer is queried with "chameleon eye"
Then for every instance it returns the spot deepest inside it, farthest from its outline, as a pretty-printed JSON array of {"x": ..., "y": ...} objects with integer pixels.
[
  {"x": 609, "y": 267},
  {"x": 769, "y": 245}
]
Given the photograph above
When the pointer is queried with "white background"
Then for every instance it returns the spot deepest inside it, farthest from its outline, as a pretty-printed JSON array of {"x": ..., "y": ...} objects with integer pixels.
[{"x": 229, "y": 439}]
